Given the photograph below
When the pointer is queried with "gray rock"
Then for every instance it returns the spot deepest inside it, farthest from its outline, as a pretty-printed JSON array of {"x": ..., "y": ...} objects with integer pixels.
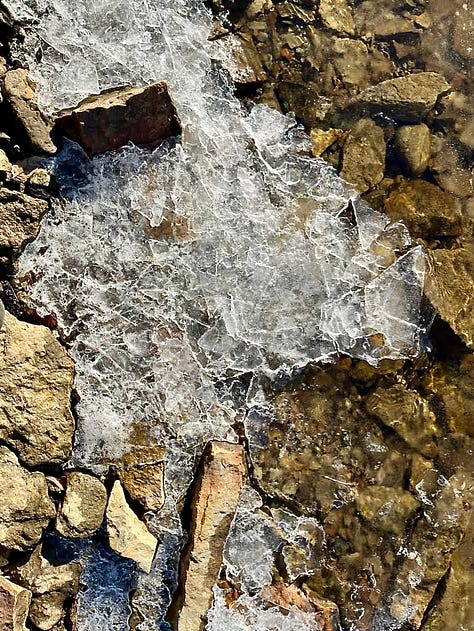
[
  {"x": 407, "y": 99},
  {"x": 83, "y": 507},
  {"x": 19, "y": 93},
  {"x": 25, "y": 507},
  {"x": 363, "y": 156},
  {"x": 36, "y": 378},
  {"x": 413, "y": 144}
]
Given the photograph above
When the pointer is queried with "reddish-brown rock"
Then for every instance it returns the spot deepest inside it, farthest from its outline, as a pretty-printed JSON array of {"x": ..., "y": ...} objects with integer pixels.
[
  {"x": 107, "y": 121},
  {"x": 14, "y": 603}
]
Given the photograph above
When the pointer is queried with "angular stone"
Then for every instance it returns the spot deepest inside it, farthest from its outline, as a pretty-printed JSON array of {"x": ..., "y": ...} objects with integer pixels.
[
  {"x": 427, "y": 211},
  {"x": 413, "y": 144},
  {"x": 83, "y": 506},
  {"x": 350, "y": 58},
  {"x": 363, "y": 157},
  {"x": 20, "y": 217},
  {"x": 141, "y": 472},
  {"x": 25, "y": 507},
  {"x": 322, "y": 139},
  {"x": 407, "y": 99},
  {"x": 128, "y": 536},
  {"x": 450, "y": 289},
  {"x": 47, "y": 610},
  {"x": 215, "y": 497},
  {"x": 19, "y": 92},
  {"x": 408, "y": 414},
  {"x": 107, "y": 121},
  {"x": 242, "y": 60},
  {"x": 14, "y": 603},
  {"x": 36, "y": 378},
  {"x": 386, "y": 508},
  {"x": 5, "y": 164},
  {"x": 337, "y": 15}
]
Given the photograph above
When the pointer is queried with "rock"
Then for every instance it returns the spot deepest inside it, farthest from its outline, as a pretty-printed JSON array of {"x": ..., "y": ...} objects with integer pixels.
[
  {"x": 141, "y": 472},
  {"x": 448, "y": 167},
  {"x": 408, "y": 414},
  {"x": 50, "y": 586},
  {"x": 407, "y": 99},
  {"x": 19, "y": 93},
  {"x": 215, "y": 497},
  {"x": 337, "y": 15},
  {"x": 107, "y": 121},
  {"x": 241, "y": 59},
  {"x": 450, "y": 289},
  {"x": 36, "y": 378},
  {"x": 14, "y": 603},
  {"x": 322, "y": 139},
  {"x": 350, "y": 58},
  {"x": 413, "y": 144},
  {"x": 462, "y": 31},
  {"x": 387, "y": 508},
  {"x": 5, "y": 164},
  {"x": 128, "y": 536},
  {"x": 82, "y": 511},
  {"x": 25, "y": 507},
  {"x": 427, "y": 211},
  {"x": 20, "y": 217},
  {"x": 39, "y": 178},
  {"x": 455, "y": 609},
  {"x": 363, "y": 157}
]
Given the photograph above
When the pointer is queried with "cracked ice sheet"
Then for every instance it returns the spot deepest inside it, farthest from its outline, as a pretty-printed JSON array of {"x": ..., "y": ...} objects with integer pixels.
[{"x": 229, "y": 252}]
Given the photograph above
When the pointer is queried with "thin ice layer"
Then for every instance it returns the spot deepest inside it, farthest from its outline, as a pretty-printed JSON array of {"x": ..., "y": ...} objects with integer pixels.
[{"x": 231, "y": 251}]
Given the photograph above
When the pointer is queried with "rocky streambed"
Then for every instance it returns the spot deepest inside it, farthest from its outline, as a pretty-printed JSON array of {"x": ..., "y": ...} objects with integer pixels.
[{"x": 233, "y": 396}]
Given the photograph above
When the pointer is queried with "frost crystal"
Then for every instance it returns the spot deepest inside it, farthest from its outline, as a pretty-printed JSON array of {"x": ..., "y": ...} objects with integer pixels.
[{"x": 229, "y": 251}]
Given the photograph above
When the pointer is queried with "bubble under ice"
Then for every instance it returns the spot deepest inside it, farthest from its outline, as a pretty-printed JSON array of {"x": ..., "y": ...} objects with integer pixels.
[{"x": 229, "y": 251}]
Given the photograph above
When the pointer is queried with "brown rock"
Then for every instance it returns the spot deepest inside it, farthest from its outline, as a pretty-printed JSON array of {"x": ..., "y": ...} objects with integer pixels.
[
  {"x": 141, "y": 472},
  {"x": 350, "y": 58},
  {"x": 406, "y": 412},
  {"x": 214, "y": 501},
  {"x": 427, "y": 211},
  {"x": 463, "y": 30},
  {"x": 19, "y": 93},
  {"x": 107, "y": 121},
  {"x": 5, "y": 164},
  {"x": 25, "y": 507},
  {"x": 363, "y": 158},
  {"x": 14, "y": 603},
  {"x": 322, "y": 139},
  {"x": 242, "y": 60},
  {"x": 36, "y": 378},
  {"x": 407, "y": 99},
  {"x": 450, "y": 289},
  {"x": 337, "y": 15},
  {"x": 413, "y": 144},
  {"x": 20, "y": 217},
  {"x": 128, "y": 536},
  {"x": 386, "y": 508},
  {"x": 83, "y": 507},
  {"x": 50, "y": 585}
]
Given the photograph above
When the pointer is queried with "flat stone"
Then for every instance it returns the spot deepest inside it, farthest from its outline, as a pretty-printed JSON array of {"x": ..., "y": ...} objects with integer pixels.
[
  {"x": 83, "y": 508},
  {"x": 413, "y": 144},
  {"x": 337, "y": 15},
  {"x": 363, "y": 155},
  {"x": 36, "y": 379},
  {"x": 350, "y": 58},
  {"x": 215, "y": 497},
  {"x": 14, "y": 603},
  {"x": 19, "y": 93},
  {"x": 407, "y": 413},
  {"x": 450, "y": 289},
  {"x": 427, "y": 211},
  {"x": 107, "y": 121},
  {"x": 322, "y": 139},
  {"x": 128, "y": 536},
  {"x": 20, "y": 217},
  {"x": 407, "y": 99},
  {"x": 25, "y": 507}
]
